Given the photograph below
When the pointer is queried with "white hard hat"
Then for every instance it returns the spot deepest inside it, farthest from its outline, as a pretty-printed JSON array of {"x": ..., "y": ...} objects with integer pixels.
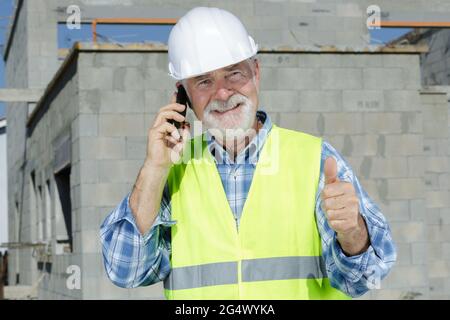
[{"x": 206, "y": 39}]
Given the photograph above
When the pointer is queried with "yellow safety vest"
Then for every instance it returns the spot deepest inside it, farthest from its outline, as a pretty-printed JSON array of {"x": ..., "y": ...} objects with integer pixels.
[{"x": 276, "y": 253}]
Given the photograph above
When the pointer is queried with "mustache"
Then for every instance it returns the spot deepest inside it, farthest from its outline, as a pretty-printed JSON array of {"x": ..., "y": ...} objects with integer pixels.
[{"x": 222, "y": 106}]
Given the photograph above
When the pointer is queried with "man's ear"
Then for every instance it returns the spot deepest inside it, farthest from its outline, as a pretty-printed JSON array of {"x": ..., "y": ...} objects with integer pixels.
[{"x": 257, "y": 76}]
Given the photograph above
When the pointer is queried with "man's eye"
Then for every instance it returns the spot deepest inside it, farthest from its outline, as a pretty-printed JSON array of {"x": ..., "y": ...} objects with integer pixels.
[
  {"x": 204, "y": 83},
  {"x": 235, "y": 75}
]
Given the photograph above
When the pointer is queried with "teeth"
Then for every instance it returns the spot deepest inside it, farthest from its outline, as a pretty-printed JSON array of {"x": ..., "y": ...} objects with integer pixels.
[{"x": 223, "y": 111}]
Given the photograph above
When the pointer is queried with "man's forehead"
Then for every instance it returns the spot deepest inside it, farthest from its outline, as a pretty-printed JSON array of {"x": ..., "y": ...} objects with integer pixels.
[{"x": 227, "y": 68}]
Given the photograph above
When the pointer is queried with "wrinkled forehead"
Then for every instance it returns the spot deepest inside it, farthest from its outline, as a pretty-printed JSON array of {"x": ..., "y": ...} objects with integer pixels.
[{"x": 245, "y": 65}]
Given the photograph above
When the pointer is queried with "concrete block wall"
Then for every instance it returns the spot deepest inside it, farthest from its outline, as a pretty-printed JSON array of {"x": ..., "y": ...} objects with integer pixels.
[
  {"x": 368, "y": 107},
  {"x": 119, "y": 97},
  {"x": 376, "y": 126},
  {"x": 437, "y": 213},
  {"x": 58, "y": 121},
  {"x": 380, "y": 129}
]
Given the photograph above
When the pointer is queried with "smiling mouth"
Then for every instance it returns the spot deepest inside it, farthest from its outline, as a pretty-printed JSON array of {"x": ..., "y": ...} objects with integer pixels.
[{"x": 229, "y": 110}]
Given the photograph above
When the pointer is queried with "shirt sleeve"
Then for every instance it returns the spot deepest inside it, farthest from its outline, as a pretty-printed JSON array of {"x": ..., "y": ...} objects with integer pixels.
[
  {"x": 358, "y": 274},
  {"x": 130, "y": 258}
]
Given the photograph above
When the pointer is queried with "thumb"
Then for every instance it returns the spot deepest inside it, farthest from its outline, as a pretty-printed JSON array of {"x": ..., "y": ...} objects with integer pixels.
[{"x": 330, "y": 170}]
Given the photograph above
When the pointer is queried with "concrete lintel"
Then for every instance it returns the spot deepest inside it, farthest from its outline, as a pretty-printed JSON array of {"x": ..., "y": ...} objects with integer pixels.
[{"x": 20, "y": 95}]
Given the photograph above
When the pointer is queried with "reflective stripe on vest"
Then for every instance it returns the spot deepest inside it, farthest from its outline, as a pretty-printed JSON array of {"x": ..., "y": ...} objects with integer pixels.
[{"x": 282, "y": 268}]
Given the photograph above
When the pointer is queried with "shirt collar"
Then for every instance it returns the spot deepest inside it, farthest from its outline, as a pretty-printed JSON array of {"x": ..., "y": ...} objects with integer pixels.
[{"x": 250, "y": 154}]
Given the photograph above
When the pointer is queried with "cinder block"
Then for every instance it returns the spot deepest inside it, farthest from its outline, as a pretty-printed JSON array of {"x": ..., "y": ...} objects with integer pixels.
[
  {"x": 446, "y": 251},
  {"x": 107, "y": 290},
  {"x": 129, "y": 101},
  {"x": 87, "y": 125},
  {"x": 433, "y": 216},
  {"x": 268, "y": 37},
  {"x": 415, "y": 165},
  {"x": 361, "y": 60},
  {"x": 403, "y": 145},
  {"x": 266, "y": 8},
  {"x": 383, "y": 78},
  {"x": 402, "y": 277},
  {"x": 319, "y": 60},
  {"x": 132, "y": 79},
  {"x": 120, "y": 125},
  {"x": 102, "y": 148},
  {"x": 103, "y": 194},
  {"x": 408, "y": 231},
  {"x": 392, "y": 167},
  {"x": 341, "y": 78},
  {"x": 320, "y": 101},
  {"x": 95, "y": 78},
  {"x": 156, "y": 99},
  {"x": 364, "y": 101},
  {"x": 89, "y": 219},
  {"x": 437, "y": 164},
  {"x": 404, "y": 256},
  {"x": 343, "y": 123},
  {"x": 297, "y": 79},
  {"x": 419, "y": 253},
  {"x": 348, "y": 10},
  {"x": 117, "y": 171},
  {"x": 89, "y": 101},
  {"x": 88, "y": 171},
  {"x": 157, "y": 60},
  {"x": 301, "y": 121},
  {"x": 397, "y": 210},
  {"x": 401, "y": 100},
  {"x": 279, "y": 61},
  {"x": 158, "y": 79},
  {"x": 437, "y": 199},
  {"x": 155, "y": 291},
  {"x": 92, "y": 264},
  {"x": 364, "y": 145},
  {"x": 136, "y": 147},
  {"x": 322, "y": 37},
  {"x": 439, "y": 269},
  {"x": 281, "y": 101},
  {"x": 336, "y": 141},
  {"x": 119, "y": 59},
  {"x": 418, "y": 209},
  {"x": 405, "y": 188}
]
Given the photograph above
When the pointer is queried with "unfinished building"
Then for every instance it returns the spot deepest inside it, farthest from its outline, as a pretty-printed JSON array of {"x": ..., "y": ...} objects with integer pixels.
[{"x": 77, "y": 129}]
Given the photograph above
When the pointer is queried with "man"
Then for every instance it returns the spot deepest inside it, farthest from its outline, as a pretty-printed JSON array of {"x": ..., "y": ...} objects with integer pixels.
[{"x": 220, "y": 223}]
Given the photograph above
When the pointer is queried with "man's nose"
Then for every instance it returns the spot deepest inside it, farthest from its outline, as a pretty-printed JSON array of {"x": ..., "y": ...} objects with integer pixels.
[{"x": 222, "y": 91}]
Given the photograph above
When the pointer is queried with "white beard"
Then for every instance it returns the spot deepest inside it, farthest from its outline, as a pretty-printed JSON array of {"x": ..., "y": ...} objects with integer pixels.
[{"x": 235, "y": 125}]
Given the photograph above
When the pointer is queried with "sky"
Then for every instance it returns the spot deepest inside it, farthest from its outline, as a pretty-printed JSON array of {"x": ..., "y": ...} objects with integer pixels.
[
  {"x": 129, "y": 33},
  {"x": 5, "y": 13}
]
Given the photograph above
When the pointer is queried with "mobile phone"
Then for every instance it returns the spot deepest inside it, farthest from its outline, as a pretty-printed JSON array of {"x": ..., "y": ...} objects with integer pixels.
[{"x": 182, "y": 98}]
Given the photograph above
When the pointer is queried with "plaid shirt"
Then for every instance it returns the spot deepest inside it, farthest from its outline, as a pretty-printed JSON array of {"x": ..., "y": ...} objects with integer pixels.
[{"x": 133, "y": 260}]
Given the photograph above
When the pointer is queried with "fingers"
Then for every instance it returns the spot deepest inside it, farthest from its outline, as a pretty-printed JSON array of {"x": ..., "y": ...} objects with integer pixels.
[
  {"x": 337, "y": 189},
  {"x": 165, "y": 115},
  {"x": 343, "y": 226},
  {"x": 173, "y": 106},
  {"x": 173, "y": 99},
  {"x": 340, "y": 202},
  {"x": 166, "y": 129},
  {"x": 337, "y": 214}
]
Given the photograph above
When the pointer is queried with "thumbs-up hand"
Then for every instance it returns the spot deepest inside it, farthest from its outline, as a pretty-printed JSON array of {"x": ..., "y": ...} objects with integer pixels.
[{"x": 341, "y": 206}]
